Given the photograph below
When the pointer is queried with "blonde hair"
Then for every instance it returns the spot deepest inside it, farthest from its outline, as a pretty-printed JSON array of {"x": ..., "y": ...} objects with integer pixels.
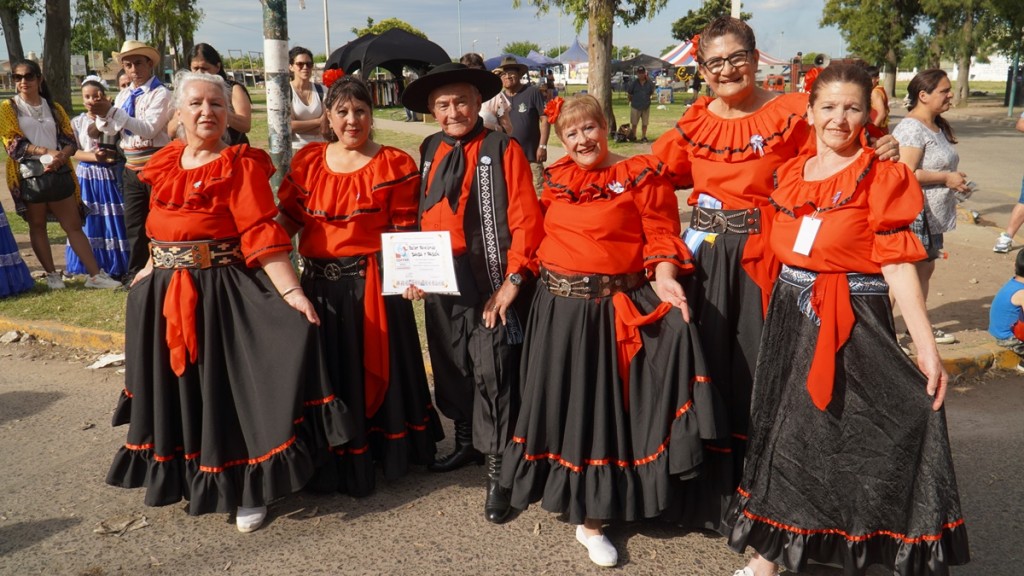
[{"x": 579, "y": 107}]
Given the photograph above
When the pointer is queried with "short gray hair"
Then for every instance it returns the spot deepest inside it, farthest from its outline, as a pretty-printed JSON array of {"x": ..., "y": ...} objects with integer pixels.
[{"x": 184, "y": 78}]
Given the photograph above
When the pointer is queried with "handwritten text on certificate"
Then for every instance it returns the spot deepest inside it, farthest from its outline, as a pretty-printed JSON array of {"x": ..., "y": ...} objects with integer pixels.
[{"x": 421, "y": 259}]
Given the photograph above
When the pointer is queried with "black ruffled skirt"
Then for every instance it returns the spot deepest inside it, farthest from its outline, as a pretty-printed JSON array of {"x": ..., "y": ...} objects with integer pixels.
[
  {"x": 727, "y": 310},
  {"x": 406, "y": 428},
  {"x": 867, "y": 481},
  {"x": 577, "y": 448},
  {"x": 233, "y": 429}
]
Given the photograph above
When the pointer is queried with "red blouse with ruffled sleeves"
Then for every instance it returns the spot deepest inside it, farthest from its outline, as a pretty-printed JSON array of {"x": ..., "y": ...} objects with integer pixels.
[
  {"x": 865, "y": 212},
  {"x": 227, "y": 198},
  {"x": 733, "y": 160},
  {"x": 344, "y": 214},
  {"x": 614, "y": 220}
]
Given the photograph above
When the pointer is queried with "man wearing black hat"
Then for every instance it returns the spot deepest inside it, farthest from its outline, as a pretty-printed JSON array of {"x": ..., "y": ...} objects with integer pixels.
[
  {"x": 639, "y": 95},
  {"x": 476, "y": 186},
  {"x": 529, "y": 124}
]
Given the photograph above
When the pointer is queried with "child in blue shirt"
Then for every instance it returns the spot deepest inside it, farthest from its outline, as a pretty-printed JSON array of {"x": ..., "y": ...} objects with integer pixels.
[{"x": 1006, "y": 313}]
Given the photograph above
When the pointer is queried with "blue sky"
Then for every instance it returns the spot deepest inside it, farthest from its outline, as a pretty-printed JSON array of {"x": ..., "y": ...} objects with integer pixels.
[{"x": 782, "y": 26}]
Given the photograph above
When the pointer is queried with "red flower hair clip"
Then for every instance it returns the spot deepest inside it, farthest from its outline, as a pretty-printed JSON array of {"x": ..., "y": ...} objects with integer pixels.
[
  {"x": 553, "y": 109},
  {"x": 694, "y": 46},
  {"x": 331, "y": 76},
  {"x": 809, "y": 78}
]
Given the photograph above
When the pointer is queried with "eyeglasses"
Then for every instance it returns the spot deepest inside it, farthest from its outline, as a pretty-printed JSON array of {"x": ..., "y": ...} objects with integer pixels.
[
  {"x": 26, "y": 77},
  {"x": 304, "y": 64},
  {"x": 736, "y": 60}
]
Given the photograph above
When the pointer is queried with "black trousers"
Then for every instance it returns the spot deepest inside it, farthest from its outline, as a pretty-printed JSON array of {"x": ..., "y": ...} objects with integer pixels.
[
  {"x": 476, "y": 369},
  {"x": 136, "y": 209}
]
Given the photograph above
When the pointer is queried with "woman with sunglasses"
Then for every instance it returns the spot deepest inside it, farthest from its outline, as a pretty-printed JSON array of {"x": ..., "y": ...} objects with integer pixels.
[
  {"x": 34, "y": 127},
  {"x": 727, "y": 148},
  {"x": 307, "y": 99}
]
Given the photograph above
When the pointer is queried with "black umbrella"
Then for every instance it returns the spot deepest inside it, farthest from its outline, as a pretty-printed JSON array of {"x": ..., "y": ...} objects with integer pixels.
[{"x": 391, "y": 51}]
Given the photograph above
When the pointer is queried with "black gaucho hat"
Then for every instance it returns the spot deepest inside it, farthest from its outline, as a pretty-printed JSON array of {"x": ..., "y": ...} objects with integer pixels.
[{"x": 418, "y": 91}]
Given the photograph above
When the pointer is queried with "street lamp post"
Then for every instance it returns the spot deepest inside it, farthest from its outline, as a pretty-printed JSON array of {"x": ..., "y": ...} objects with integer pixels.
[
  {"x": 474, "y": 45},
  {"x": 460, "y": 27}
]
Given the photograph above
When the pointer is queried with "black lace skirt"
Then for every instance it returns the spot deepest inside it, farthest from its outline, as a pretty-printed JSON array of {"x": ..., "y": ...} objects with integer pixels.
[{"x": 867, "y": 481}]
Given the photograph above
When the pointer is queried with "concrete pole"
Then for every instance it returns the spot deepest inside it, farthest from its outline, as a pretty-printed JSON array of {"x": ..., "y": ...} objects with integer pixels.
[
  {"x": 279, "y": 89},
  {"x": 736, "y": 9},
  {"x": 327, "y": 32}
]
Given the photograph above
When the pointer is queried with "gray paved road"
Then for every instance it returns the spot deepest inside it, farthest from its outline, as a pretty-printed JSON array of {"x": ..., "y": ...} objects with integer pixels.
[{"x": 56, "y": 444}]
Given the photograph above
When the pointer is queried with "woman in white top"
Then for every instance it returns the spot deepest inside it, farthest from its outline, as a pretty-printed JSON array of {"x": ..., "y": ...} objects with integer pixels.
[
  {"x": 307, "y": 108},
  {"x": 927, "y": 147},
  {"x": 37, "y": 135}
]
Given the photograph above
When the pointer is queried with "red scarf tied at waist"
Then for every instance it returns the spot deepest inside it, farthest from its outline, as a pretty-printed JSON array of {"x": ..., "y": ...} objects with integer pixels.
[
  {"x": 180, "y": 312},
  {"x": 628, "y": 321},
  {"x": 830, "y": 298},
  {"x": 376, "y": 354}
]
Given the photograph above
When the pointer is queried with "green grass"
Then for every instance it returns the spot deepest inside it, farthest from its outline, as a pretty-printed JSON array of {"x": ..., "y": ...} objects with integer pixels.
[{"x": 75, "y": 305}]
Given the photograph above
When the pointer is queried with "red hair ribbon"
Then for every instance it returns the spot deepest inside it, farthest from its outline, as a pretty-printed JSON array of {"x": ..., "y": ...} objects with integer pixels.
[
  {"x": 809, "y": 78},
  {"x": 694, "y": 45},
  {"x": 332, "y": 75},
  {"x": 553, "y": 109}
]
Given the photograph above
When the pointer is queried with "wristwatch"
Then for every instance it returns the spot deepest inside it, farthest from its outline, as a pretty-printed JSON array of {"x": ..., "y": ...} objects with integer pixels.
[{"x": 515, "y": 279}]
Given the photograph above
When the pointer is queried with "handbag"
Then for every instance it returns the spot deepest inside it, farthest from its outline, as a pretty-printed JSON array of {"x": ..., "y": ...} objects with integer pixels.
[{"x": 38, "y": 185}]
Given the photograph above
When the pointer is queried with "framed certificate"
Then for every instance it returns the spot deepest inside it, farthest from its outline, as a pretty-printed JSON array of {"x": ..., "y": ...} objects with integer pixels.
[{"x": 421, "y": 259}]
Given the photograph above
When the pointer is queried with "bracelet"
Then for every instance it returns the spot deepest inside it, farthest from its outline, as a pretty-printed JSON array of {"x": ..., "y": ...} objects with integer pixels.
[
  {"x": 543, "y": 146},
  {"x": 290, "y": 290}
]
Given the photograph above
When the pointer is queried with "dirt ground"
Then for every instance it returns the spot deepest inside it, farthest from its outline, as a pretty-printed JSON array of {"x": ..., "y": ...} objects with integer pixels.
[{"x": 56, "y": 443}]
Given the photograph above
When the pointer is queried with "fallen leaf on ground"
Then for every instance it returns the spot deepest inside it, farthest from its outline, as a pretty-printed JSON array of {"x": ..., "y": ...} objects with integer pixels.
[{"x": 121, "y": 525}]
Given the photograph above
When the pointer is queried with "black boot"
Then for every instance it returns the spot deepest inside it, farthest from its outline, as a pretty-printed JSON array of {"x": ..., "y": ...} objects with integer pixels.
[
  {"x": 497, "y": 505},
  {"x": 464, "y": 452}
]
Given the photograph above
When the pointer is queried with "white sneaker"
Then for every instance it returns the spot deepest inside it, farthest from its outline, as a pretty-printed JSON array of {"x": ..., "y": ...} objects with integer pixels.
[
  {"x": 250, "y": 519},
  {"x": 102, "y": 280},
  {"x": 943, "y": 338},
  {"x": 53, "y": 280},
  {"x": 602, "y": 551},
  {"x": 1003, "y": 244}
]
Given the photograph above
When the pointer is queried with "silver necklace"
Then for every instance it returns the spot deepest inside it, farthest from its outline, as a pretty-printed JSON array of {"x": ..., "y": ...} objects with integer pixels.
[{"x": 33, "y": 111}]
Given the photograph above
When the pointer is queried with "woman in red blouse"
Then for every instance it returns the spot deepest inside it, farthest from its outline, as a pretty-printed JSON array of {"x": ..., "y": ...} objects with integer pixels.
[
  {"x": 616, "y": 399},
  {"x": 218, "y": 330},
  {"x": 849, "y": 458},
  {"x": 340, "y": 195}
]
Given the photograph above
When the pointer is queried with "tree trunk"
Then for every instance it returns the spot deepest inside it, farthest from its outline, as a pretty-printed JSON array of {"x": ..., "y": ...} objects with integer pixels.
[
  {"x": 12, "y": 34},
  {"x": 963, "y": 78},
  {"x": 599, "y": 51},
  {"x": 889, "y": 79},
  {"x": 57, "y": 52}
]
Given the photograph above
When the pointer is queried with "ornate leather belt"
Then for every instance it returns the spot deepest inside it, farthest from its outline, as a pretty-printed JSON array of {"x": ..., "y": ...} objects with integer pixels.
[
  {"x": 745, "y": 221},
  {"x": 196, "y": 254},
  {"x": 589, "y": 285},
  {"x": 333, "y": 269}
]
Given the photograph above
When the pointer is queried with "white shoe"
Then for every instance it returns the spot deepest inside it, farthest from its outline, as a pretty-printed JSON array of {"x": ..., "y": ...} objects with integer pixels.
[
  {"x": 602, "y": 551},
  {"x": 102, "y": 280},
  {"x": 747, "y": 571},
  {"x": 943, "y": 338},
  {"x": 1003, "y": 244},
  {"x": 53, "y": 280},
  {"x": 250, "y": 519}
]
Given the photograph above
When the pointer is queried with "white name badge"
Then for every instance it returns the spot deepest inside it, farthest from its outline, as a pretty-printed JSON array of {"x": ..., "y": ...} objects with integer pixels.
[{"x": 809, "y": 226}]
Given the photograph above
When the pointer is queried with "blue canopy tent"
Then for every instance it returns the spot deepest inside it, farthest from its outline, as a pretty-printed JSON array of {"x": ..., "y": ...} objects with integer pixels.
[
  {"x": 543, "y": 60},
  {"x": 575, "y": 54},
  {"x": 492, "y": 63}
]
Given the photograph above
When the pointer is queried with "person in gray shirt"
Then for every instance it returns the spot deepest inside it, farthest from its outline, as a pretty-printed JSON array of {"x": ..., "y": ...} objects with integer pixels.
[{"x": 639, "y": 95}]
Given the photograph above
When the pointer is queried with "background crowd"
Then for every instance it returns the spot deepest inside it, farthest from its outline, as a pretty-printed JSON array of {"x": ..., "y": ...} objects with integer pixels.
[{"x": 599, "y": 359}]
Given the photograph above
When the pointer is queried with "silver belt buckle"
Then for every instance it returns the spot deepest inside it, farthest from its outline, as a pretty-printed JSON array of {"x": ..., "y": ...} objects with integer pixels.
[{"x": 332, "y": 272}]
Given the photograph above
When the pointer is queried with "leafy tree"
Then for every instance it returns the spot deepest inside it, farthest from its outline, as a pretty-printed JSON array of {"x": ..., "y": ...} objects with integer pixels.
[
  {"x": 1008, "y": 23},
  {"x": 623, "y": 52},
  {"x": 520, "y": 48},
  {"x": 917, "y": 53},
  {"x": 57, "y": 51},
  {"x": 91, "y": 31},
  {"x": 11, "y": 12},
  {"x": 696, "y": 20},
  {"x": 554, "y": 52},
  {"x": 874, "y": 29},
  {"x": 966, "y": 28},
  {"x": 600, "y": 17},
  {"x": 385, "y": 25}
]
